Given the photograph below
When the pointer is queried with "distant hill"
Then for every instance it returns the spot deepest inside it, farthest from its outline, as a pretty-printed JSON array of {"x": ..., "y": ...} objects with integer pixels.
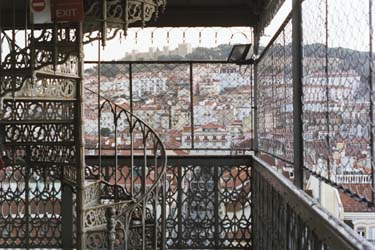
[
  {"x": 218, "y": 53},
  {"x": 340, "y": 59}
]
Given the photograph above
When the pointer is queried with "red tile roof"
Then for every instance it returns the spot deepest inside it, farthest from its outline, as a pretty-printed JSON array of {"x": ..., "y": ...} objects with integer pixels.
[
  {"x": 352, "y": 205},
  {"x": 212, "y": 125}
]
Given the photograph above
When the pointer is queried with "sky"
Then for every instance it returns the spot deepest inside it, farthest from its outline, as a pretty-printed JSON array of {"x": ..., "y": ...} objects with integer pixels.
[{"x": 142, "y": 39}]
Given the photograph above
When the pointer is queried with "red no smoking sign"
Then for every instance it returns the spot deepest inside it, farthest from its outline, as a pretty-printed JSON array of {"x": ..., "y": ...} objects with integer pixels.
[{"x": 38, "y": 5}]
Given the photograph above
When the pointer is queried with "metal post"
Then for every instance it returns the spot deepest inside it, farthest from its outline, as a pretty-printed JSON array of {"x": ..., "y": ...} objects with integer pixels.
[
  {"x": 255, "y": 111},
  {"x": 216, "y": 204},
  {"x": 116, "y": 168},
  {"x": 253, "y": 181},
  {"x": 131, "y": 87},
  {"x": 273, "y": 104},
  {"x": 104, "y": 23},
  {"x": 99, "y": 110},
  {"x": 328, "y": 123},
  {"x": 252, "y": 206},
  {"x": 28, "y": 172},
  {"x": 371, "y": 83},
  {"x": 297, "y": 92},
  {"x": 192, "y": 104},
  {"x": 164, "y": 215},
  {"x": 111, "y": 227},
  {"x": 180, "y": 175},
  {"x": 144, "y": 203},
  {"x": 79, "y": 140},
  {"x": 67, "y": 217}
]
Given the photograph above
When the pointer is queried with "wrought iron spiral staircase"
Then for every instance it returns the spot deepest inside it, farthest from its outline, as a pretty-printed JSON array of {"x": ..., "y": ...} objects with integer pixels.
[
  {"x": 125, "y": 200},
  {"x": 41, "y": 96}
]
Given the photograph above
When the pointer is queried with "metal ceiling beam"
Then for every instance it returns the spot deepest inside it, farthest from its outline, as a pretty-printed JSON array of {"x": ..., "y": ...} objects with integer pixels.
[
  {"x": 7, "y": 17},
  {"x": 178, "y": 16},
  {"x": 205, "y": 16}
]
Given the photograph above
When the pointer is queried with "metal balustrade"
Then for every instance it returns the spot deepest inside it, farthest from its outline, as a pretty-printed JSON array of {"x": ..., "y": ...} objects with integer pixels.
[
  {"x": 240, "y": 202},
  {"x": 285, "y": 217}
]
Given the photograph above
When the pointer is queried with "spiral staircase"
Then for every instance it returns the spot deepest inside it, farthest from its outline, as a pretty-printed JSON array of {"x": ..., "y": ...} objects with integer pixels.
[
  {"x": 124, "y": 203},
  {"x": 42, "y": 170}
]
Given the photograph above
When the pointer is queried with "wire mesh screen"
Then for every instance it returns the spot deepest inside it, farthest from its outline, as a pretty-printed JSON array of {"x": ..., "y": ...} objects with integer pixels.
[
  {"x": 222, "y": 106},
  {"x": 275, "y": 97},
  {"x": 111, "y": 81},
  {"x": 161, "y": 97},
  {"x": 337, "y": 95},
  {"x": 338, "y": 82},
  {"x": 191, "y": 105}
]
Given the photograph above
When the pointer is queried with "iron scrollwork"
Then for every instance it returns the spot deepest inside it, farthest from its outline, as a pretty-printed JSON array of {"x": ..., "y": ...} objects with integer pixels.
[
  {"x": 133, "y": 189},
  {"x": 119, "y": 14}
]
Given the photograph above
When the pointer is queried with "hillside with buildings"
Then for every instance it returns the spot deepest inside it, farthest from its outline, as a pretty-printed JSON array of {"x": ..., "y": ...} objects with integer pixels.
[{"x": 209, "y": 109}]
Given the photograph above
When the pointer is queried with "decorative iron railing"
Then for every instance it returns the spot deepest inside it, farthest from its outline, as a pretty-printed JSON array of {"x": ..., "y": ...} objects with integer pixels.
[
  {"x": 124, "y": 203},
  {"x": 285, "y": 217},
  {"x": 238, "y": 202},
  {"x": 39, "y": 139},
  {"x": 207, "y": 203}
]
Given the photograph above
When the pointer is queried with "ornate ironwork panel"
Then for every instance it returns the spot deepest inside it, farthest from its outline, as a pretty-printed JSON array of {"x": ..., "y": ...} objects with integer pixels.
[
  {"x": 38, "y": 134},
  {"x": 112, "y": 17},
  {"x": 208, "y": 203},
  {"x": 38, "y": 143},
  {"x": 30, "y": 200}
]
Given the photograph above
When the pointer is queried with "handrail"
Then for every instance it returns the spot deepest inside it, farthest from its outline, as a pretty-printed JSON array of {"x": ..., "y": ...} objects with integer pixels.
[
  {"x": 199, "y": 160},
  {"x": 164, "y": 160},
  {"x": 328, "y": 229}
]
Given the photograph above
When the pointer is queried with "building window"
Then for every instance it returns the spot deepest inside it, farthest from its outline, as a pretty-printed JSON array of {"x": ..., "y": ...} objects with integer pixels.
[
  {"x": 361, "y": 231},
  {"x": 371, "y": 234}
]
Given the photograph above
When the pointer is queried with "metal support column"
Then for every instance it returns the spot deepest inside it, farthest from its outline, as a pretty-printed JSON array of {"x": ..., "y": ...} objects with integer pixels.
[
  {"x": 217, "y": 205},
  {"x": 191, "y": 69},
  {"x": 297, "y": 36},
  {"x": 371, "y": 86},
  {"x": 79, "y": 140},
  {"x": 180, "y": 177},
  {"x": 255, "y": 91},
  {"x": 67, "y": 217}
]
